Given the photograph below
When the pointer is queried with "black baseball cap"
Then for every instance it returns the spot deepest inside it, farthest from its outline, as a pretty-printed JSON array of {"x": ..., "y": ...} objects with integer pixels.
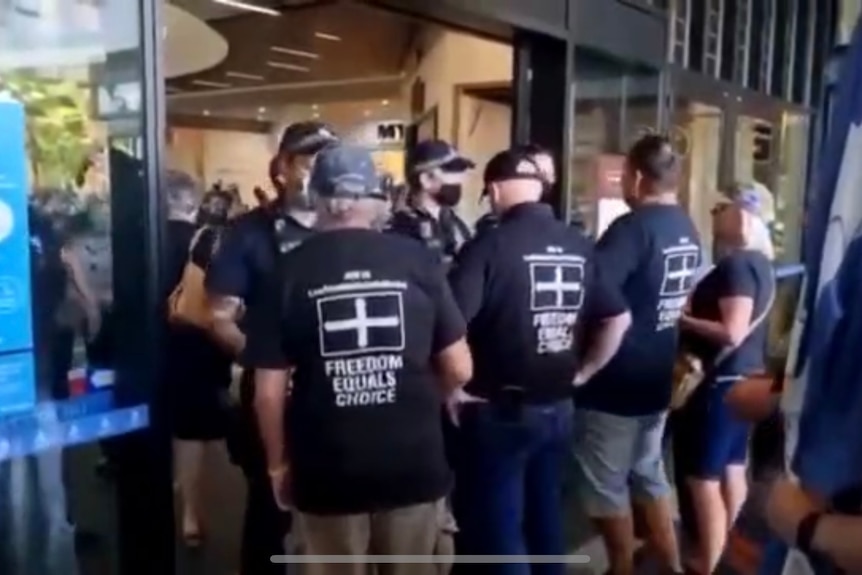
[
  {"x": 512, "y": 164},
  {"x": 433, "y": 154},
  {"x": 306, "y": 138}
]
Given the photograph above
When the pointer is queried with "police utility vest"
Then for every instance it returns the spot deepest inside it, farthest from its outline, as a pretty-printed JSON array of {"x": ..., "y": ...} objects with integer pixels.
[{"x": 443, "y": 236}]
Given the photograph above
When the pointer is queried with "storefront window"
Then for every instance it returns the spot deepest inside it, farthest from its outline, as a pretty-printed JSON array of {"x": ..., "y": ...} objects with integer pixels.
[
  {"x": 70, "y": 133},
  {"x": 696, "y": 129},
  {"x": 613, "y": 107}
]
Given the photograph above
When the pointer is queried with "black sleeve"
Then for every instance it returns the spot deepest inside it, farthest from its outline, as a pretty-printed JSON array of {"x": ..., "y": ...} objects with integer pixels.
[
  {"x": 604, "y": 299},
  {"x": 228, "y": 273},
  {"x": 266, "y": 344},
  {"x": 469, "y": 274},
  {"x": 736, "y": 278},
  {"x": 449, "y": 324},
  {"x": 618, "y": 251}
]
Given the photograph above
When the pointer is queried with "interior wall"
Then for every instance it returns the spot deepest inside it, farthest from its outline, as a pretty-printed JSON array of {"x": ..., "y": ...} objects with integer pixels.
[
  {"x": 240, "y": 158},
  {"x": 483, "y": 130},
  {"x": 447, "y": 59}
]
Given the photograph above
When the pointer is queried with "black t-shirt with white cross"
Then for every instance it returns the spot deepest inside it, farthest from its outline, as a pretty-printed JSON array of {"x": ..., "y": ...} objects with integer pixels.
[
  {"x": 523, "y": 287},
  {"x": 361, "y": 317},
  {"x": 653, "y": 256}
]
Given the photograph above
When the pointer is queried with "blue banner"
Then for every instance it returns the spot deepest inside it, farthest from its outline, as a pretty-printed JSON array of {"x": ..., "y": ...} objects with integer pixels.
[
  {"x": 47, "y": 431},
  {"x": 17, "y": 382},
  {"x": 16, "y": 329}
]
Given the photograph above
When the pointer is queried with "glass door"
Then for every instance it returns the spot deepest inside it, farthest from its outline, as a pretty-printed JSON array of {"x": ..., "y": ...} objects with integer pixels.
[{"x": 82, "y": 474}]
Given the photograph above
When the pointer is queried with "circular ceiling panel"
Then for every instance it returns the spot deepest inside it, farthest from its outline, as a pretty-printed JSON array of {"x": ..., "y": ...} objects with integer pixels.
[{"x": 191, "y": 45}]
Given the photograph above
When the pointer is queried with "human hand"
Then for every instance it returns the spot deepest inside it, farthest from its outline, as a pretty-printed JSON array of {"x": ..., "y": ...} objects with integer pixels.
[
  {"x": 787, "y": 505},
  {"x": 456, "y": 402},
  {"x": 281, "y": 486}
]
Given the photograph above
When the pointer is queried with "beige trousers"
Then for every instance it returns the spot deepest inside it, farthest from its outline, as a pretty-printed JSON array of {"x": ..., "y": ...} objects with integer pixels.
[{"x": 425, "y": 529}]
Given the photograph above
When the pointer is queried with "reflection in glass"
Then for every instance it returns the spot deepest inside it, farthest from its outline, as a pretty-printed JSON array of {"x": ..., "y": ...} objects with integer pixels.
[
  {"x": 697, "y": 132},
  {"x": 613, "y": 107},
  {"x": 60, "y": 171}
]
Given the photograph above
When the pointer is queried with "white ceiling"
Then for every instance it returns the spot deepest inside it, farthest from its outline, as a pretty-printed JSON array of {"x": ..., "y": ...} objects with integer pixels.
[{"x": 207, "y": 9}]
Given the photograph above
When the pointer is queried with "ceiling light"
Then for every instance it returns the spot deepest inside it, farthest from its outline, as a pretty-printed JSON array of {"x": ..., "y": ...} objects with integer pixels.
[
  {"x": 330, "y": 37},
  {"x": 384, "y": 103},
  {"x": 292, "y": 52},
  {"x": 210, "y": 84},
  {"x": 261, "y": 110},
  {"x": 244, "y": 76},
  {"x": 314, "y": 106},
  {"x": 206, "y": 112},
  {"x": 366, "y": 113},
  {"x": 286, "y": 66},
  {"x": 239, "y": 5},
  {"x": 315, "y": 115}
]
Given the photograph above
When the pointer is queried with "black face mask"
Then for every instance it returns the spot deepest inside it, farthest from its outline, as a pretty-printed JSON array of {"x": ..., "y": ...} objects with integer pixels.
[{"x": 449, "y": 195}]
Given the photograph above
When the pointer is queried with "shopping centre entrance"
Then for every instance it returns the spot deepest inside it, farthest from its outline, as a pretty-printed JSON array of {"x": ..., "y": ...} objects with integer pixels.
[{"x": 97, "y": 101}]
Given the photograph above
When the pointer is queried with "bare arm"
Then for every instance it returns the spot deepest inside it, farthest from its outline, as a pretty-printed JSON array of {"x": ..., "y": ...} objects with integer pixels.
[
  {"x": 736, "y": 317},
  {"x": 454, "y": 366},
  {"x": 226, "y": 313},
  {"x": 608, "y": 337},
  {"x": 838, "y": 537},
  {"x": 270, "y": 400}
]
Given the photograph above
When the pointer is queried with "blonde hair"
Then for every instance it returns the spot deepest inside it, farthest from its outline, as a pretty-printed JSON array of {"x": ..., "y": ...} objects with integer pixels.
[{"x": 756, "y": 235}]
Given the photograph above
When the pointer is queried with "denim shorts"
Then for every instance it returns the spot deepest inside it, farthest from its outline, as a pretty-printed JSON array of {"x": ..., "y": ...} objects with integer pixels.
[{"x": 618, "y": 458}]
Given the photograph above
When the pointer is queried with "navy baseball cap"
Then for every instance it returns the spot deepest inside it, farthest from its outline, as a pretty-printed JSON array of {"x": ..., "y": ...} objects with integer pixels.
[
  {"x": 342, "y": 171},
  {"x": 512, "y": 164},
  {"x": 306, "y": 138},
  {"x": 433, "y": 154}
]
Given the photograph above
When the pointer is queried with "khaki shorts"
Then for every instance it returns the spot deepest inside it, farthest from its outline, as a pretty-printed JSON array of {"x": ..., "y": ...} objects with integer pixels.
[{"x": 425, "y": 529}]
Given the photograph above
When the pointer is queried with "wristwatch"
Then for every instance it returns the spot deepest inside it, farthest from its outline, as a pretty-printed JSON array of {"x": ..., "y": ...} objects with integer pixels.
[{"x": 806, "y": 530}]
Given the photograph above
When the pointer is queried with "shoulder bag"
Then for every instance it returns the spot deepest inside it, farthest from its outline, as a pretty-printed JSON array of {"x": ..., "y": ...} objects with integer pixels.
[
  {"x": 188, "y": 304},
  {"x": 689, "y": 372}
]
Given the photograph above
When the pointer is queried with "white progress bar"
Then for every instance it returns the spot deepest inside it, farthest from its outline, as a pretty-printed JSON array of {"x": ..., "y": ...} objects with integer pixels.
[{"x": 429, "y": 559}]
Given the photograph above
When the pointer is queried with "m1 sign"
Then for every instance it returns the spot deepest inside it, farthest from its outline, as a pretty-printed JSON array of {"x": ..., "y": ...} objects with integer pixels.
[{"x": 378, "y": 135}]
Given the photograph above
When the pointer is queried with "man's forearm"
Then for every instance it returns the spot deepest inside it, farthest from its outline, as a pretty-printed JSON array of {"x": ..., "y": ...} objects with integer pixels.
[
  {"x": 270, "y": 401},
  {"x": 603, "y": 346},
  {"x": 838, "y": 537},
  {"x": 226, "y": 311}
]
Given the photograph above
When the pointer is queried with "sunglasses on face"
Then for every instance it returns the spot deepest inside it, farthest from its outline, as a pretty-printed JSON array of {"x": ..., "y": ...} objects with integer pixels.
[{"x": 719, "y": 208}]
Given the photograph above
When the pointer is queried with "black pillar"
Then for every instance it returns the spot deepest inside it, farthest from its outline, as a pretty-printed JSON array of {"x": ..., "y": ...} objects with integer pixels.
[{"x": 543, "y": 112}]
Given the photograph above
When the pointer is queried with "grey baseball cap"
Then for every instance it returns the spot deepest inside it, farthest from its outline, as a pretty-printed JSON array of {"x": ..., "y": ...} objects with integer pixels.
[{"x": 344, "y": 171}]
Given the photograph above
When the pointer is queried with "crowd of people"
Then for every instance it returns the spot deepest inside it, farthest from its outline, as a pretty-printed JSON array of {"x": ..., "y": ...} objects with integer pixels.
[{"x": 412, "y": 387}]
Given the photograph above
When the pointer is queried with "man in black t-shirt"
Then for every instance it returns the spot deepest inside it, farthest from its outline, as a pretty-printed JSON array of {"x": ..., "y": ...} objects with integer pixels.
[
  {"x": 524, "y": 287},
  {"x": 652, "y": 255},
  {"x": 237, "y": 281},
  {"x": 367, "y": 327}
]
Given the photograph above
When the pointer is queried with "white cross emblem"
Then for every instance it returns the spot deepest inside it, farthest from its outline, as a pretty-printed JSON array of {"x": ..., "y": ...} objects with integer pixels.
[
  {"x": 567, "y": 293},
  {"x": 679, "y": 272},
  {"x": 361, "y": 323}
]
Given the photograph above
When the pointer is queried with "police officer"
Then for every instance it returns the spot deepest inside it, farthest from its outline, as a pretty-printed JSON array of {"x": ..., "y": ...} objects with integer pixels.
[
  {"x": 373, "y": 338},
  {"x": 545, "y": 161},
  {"x": 525, "y": 288},
  {"x": 238, "y": 280},
  {"x": 435, "y": 175}
]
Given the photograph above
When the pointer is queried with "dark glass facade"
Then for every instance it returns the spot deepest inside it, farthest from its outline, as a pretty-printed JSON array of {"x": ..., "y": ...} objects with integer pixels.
[{"x": 82, "y": 109}]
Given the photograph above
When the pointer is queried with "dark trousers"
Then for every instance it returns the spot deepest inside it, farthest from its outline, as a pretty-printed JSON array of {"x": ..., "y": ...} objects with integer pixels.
[
  {"x": 508, "y": 485},
  {"x": 263, "y": 530},
  {"x": 264, "y": 524}
]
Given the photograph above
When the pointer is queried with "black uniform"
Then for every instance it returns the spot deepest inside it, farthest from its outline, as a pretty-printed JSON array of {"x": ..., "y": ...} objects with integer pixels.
[
  {"x": 245, "y": 266},
  {"x": 443, "y": 236},
  {"x": 524, "y": 287},
  {"x": 360, "y": 321}
]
